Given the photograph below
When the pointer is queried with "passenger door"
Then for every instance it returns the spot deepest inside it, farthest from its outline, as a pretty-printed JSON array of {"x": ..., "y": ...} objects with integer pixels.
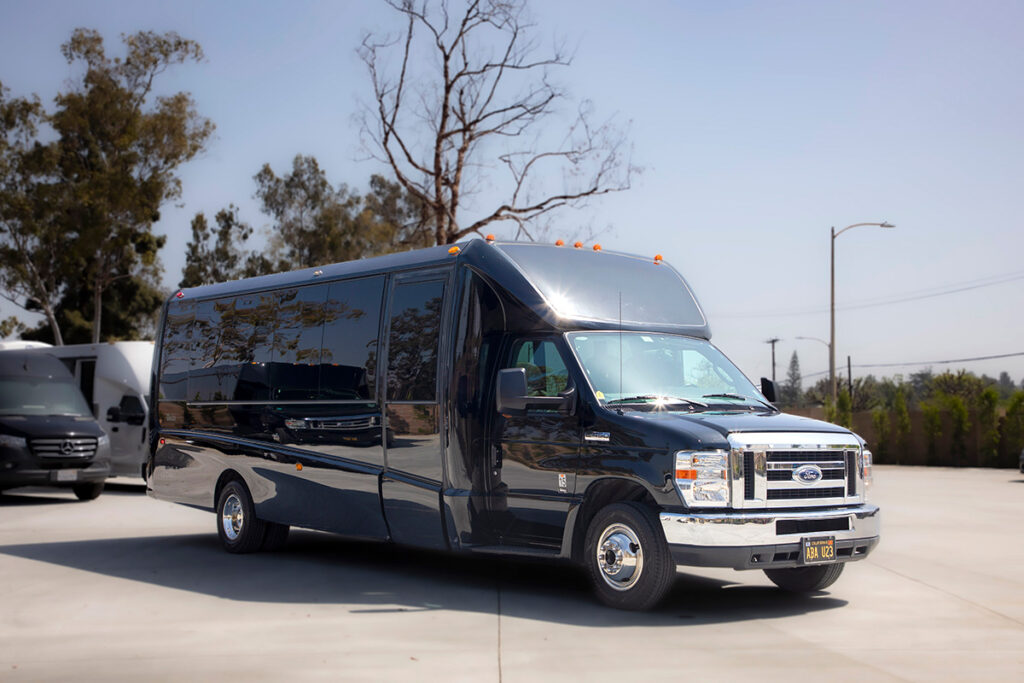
[
  {"x": 411, "y": 485},
  {"x": 536, "y": 455}
]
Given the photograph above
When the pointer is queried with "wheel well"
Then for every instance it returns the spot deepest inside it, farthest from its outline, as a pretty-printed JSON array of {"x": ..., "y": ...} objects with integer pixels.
[
  {"x": 225, "y": 477},
  {"x": 598, "y": 495}
]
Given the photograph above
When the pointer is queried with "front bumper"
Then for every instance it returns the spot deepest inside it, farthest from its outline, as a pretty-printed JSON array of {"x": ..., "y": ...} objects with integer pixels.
[{"x": 768, "y": 539}]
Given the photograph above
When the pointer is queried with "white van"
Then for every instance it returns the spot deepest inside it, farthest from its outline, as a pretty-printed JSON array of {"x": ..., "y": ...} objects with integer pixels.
[{"x": 114, "y": 378}]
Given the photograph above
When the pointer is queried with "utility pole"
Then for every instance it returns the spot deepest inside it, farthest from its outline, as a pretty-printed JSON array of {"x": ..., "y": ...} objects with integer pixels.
[
  {"x": 773, "y": 341},
  {"x": 849, "y": 380}
]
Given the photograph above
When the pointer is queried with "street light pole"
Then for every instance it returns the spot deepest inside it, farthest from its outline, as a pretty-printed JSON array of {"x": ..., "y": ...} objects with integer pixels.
[{"x": 832, "y": 306}]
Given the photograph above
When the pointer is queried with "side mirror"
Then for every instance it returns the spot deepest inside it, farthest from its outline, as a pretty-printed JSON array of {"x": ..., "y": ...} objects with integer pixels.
[
  {"x": 512, "y": 399},
  {"x": 113, "y": 414},
  {"x": 768, "y": 389},
  {"x": 134, "y": 419}
]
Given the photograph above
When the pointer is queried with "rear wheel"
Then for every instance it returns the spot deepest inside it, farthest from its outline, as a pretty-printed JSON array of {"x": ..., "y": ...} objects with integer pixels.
[
  {"x": 805, "y": 579},
  {"x": 90, "y": 491},
  {"x": 627, "y": 557},
  {"x": 239, "y": 529}
]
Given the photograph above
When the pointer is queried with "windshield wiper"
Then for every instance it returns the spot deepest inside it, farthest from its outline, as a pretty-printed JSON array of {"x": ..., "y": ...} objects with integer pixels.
[
  {"x": 652, "y": 397},
  {"x": 740, "y": 397}
]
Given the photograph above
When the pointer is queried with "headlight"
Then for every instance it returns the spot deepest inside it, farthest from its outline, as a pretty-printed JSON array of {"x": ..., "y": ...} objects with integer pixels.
[
  {"x": 104, "y": 440},
  {"x": 866, "y": 460},
  {"x": 703, "y": 478},
  {"x": 12, "y": 441}
]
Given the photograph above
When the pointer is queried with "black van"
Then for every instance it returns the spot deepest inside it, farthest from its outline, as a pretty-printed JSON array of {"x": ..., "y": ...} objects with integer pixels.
[
  {"x": 48, "y": 435},
  {"x": 518, "y": 399}
]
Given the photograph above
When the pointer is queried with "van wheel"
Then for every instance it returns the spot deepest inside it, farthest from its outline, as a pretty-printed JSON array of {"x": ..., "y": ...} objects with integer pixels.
[
  {"x": 806, "y": 579},
  {"x": 627, "y": 557},
  {"x": 237, "y": 525},
  {"x": 275, "y": 536},
  {"x": 90, "y": 491}
]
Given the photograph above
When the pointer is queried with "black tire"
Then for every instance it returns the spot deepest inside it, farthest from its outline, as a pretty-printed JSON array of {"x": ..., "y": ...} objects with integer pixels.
[
  {"x": 806, "y": 579},
  {"x": 240, "y": 530},
  {"x": 89, "y": 491},
  {"x": 275, "y": 536},
  {"x": 628, "y": 558}
]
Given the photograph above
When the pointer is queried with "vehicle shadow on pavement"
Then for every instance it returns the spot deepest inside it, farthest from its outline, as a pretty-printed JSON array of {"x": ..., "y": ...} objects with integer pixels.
[
  {"x": 377, "y": 578},
  {"x": 35, "y": 495}
]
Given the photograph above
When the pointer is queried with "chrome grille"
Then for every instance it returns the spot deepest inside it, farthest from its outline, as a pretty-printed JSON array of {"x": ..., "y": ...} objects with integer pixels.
[
  {"x": 68, "y": 449},
  {"x": 766, "y": 469}
]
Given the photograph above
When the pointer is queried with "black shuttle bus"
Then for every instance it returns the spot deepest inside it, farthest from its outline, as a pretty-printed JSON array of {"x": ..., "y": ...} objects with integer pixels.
[{"x": 508, "y": 398}]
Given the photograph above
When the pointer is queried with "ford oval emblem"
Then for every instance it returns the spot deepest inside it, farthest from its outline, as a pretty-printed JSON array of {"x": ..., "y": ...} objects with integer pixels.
[{"x": 808, "y": 475}]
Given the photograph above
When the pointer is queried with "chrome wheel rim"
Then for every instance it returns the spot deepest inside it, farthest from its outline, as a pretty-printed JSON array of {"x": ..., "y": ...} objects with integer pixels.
[
  {"x": 620, "y": 557},
  {"x": 232, "y": 517}
]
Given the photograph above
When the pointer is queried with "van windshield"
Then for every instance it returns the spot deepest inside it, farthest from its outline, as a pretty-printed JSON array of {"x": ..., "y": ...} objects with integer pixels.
[
  {"x": 643, "y": 368},
  {"x": 41, "y": 396}
]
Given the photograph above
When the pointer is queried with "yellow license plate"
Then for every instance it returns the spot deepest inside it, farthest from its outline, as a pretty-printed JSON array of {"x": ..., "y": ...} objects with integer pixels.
[{"x": 817, "y": 550}]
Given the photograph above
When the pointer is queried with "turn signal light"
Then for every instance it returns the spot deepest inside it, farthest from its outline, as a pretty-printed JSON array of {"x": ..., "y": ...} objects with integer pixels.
[
  {"x": 298, "y": 466},
  {"x": 454, "y": 250}
]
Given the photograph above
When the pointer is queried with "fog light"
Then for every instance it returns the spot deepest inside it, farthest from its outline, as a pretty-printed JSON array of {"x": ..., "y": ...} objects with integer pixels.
[{"x": 702, "y": 478}]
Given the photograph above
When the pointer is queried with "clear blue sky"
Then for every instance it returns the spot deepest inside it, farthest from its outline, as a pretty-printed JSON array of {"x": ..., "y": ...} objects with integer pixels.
[{"x": 759, "y": 126}]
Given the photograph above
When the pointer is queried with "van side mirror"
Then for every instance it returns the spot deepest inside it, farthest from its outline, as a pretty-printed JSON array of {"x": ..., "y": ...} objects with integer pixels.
[
  {"x": 512, "y": 399},
  {"x": 768, "y": 389},
  {"x": 113, "y": 414}
]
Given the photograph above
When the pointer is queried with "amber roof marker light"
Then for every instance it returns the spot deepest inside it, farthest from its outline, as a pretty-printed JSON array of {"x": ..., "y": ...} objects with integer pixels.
[
  {"x": 489, "y": 238},
  {"x": 658, "y": 258},
  {"x": 559, "y": 243},
  {"x": 597, "y": 247},
  {"x": 454, "y": 250},
  {"x": 577, "y": 245}
]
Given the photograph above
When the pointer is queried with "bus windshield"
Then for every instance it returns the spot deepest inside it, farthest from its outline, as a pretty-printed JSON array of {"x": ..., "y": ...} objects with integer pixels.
[
  {"x": 41, "y": 396},
  {"x": 646, "y": 368}
]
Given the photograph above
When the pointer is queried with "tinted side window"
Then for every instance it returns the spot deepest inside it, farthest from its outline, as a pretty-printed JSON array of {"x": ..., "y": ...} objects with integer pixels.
[
  {"x": 174, "y": 350},
  {"x": 413, "y": 340},
  {"x": 204, "y": 378},
  {"x": 295, "y": 366},
  {"x": 251, "y": 337},
  {"x": 348, "y": 361},
  {"x": 546, "y": 374}
]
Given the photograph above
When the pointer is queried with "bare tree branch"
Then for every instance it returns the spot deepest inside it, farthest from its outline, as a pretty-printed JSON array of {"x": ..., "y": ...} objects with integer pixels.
[{"x": 481, "y": 87}]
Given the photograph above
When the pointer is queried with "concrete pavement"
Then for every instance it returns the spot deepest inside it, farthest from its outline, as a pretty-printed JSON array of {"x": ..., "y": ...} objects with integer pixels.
[{"x": 126, "y": 587}]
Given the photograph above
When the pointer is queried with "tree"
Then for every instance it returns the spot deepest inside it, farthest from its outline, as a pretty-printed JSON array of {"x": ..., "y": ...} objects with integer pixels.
[
  {"x": 316, "y": 223},
  {"x": 213, "y": 258},
  {"x": 844, "y": 409},
  {"x": 1006, "y": 386},
  {"x": 792, "y": 389},
  {"x": 471, "y": 91},
  {"x": 32, "y": 244},
  {"x": 900, "y": 423},
  {"x": 118, "y": 152}
]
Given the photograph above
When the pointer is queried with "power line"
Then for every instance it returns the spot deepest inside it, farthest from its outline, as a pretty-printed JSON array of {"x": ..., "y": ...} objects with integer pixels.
[
  {"x": 913, "y": 295},
  {"x": 930, "y": 362}
]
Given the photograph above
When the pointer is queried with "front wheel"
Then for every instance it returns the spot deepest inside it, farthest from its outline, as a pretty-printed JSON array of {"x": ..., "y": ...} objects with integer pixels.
[
  {"x": 90, "y": 491},
  {"x": 805, "y": 579},
  {"x": 239, "y": 529},
  {"x": 627, "y": 557}
]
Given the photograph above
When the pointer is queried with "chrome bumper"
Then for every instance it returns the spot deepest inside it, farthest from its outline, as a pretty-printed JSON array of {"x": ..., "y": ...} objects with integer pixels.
[{"x": 719, "y": 530}]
